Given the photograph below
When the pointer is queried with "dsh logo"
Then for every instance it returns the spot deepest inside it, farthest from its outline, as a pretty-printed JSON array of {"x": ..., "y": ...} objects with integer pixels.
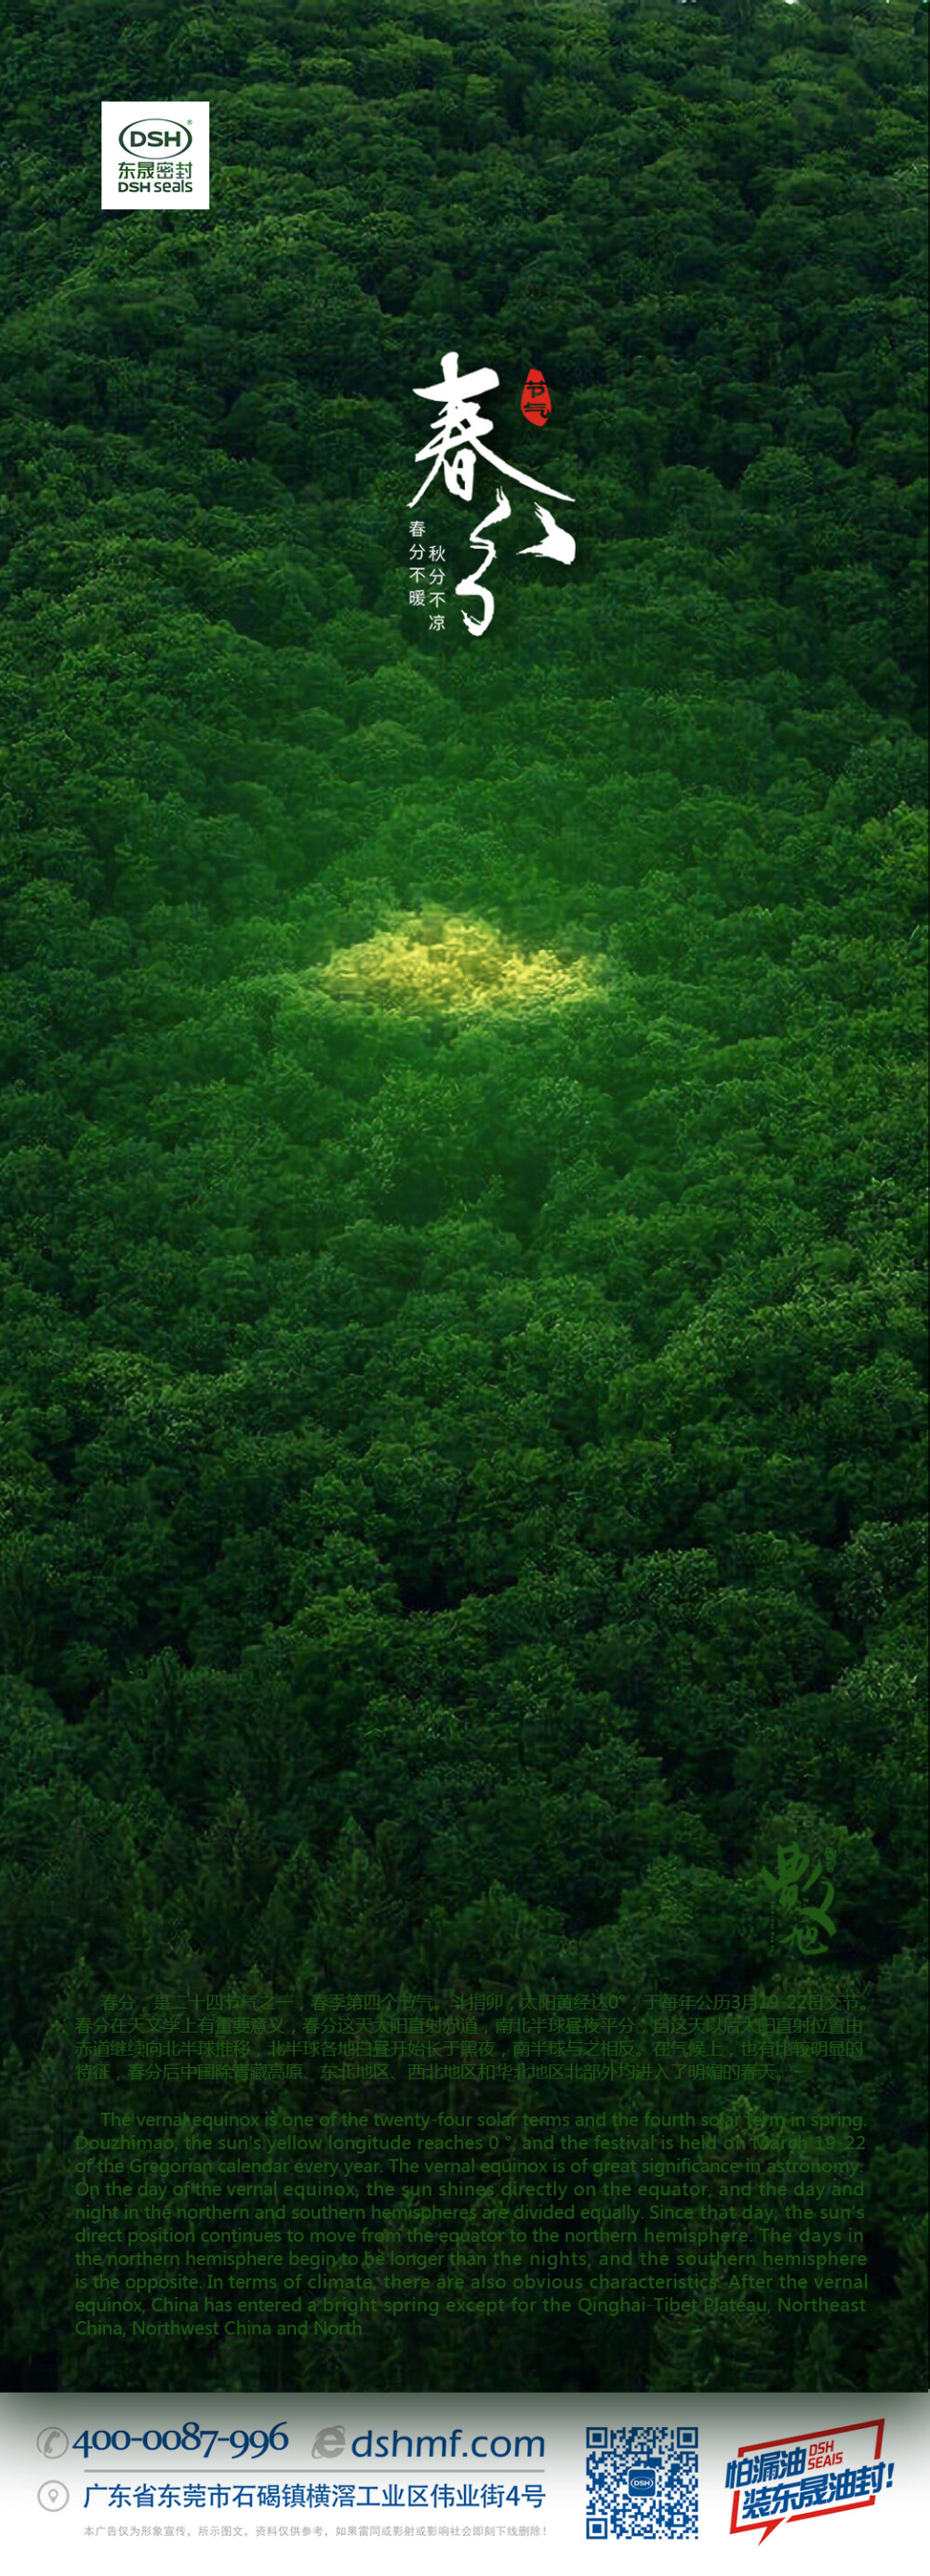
[
  {"x": 153, "y": 138},
  {"x": 155, "y": 155}
]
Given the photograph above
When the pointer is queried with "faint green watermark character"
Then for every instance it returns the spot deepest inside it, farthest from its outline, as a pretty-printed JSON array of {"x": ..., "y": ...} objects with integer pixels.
[{"x": 790, "y": 1893}]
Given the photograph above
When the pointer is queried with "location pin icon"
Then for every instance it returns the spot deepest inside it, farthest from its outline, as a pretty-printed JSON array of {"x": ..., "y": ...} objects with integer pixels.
[{"x": 53, "y": 2496}]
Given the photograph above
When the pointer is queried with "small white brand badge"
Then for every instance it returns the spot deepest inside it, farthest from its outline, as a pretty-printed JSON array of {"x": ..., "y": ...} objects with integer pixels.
[{"x": 155, "y": 154}]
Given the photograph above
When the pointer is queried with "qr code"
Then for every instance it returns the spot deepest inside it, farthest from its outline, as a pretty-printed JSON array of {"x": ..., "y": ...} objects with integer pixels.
[{"x": 642, "y": 2482}]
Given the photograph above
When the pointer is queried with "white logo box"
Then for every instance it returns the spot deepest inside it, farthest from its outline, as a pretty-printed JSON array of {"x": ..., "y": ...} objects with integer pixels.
[{"x": 154, "y": 155}]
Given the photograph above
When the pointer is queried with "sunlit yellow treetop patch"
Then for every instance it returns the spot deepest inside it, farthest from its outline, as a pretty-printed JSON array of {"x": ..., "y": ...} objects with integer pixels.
[{"x": 449, "y": 964}]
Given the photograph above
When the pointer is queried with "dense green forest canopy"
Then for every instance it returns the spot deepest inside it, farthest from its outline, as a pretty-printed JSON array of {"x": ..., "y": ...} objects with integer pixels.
[{"x": 462, "y": 1471}]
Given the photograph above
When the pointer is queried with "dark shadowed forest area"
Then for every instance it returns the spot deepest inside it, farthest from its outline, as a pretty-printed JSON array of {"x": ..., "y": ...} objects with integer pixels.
[{"x": 461, "y": 1190}]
